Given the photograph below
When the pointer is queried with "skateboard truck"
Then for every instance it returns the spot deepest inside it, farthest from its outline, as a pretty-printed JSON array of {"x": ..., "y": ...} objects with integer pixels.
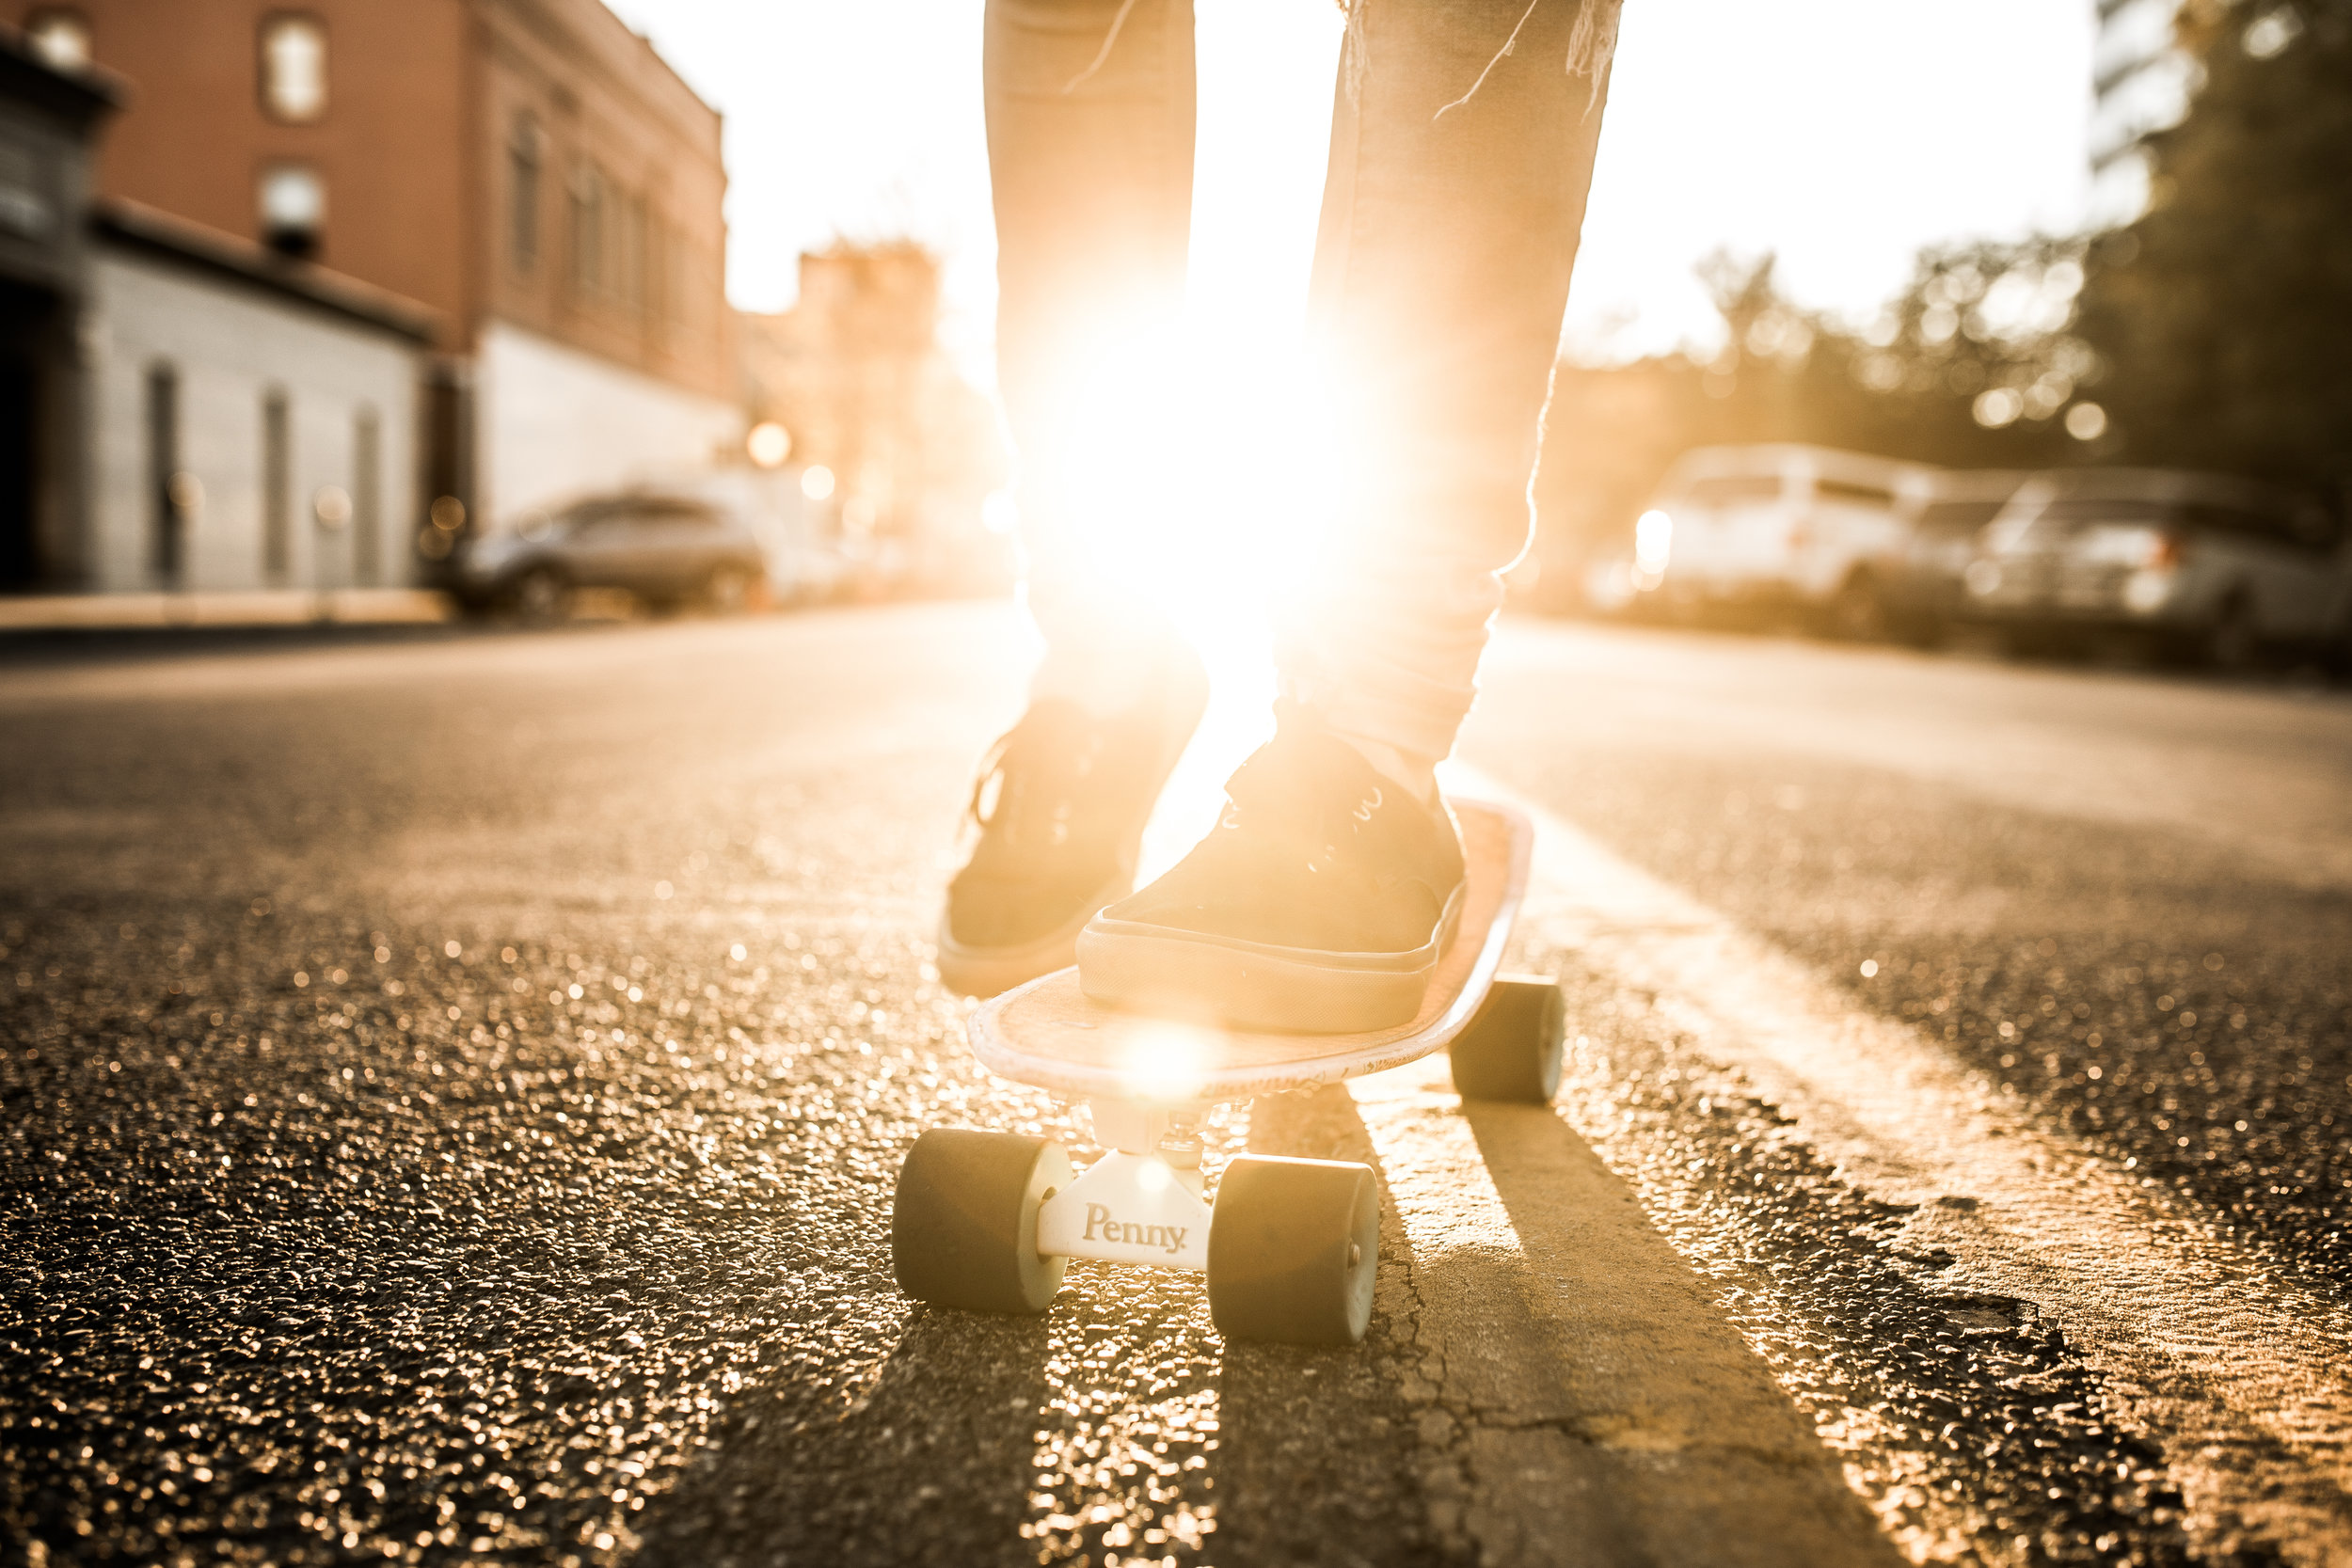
[
  {"x": 989, "y": 1221},
  {"x": 1142, "y": 1202}
]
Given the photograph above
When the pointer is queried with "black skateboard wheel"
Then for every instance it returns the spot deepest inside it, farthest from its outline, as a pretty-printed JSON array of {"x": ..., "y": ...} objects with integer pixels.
[
  {"x": 1511, "y": 1052},
  {"x": 963, "y": 1224},
  {"x": 1293, "y": 1245}
]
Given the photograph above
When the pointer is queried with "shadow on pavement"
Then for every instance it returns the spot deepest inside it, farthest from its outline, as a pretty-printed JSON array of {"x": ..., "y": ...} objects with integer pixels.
[
  {"x": 928, "y": 1463},
  {"x": 1324, "y": 1459},
  {"x": 1689, "y": 1452}
]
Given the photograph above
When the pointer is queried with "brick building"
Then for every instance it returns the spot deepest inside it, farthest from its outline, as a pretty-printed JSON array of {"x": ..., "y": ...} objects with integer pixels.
[
  {"x": 179, "y": 410},
  {"x": 854, "y": 371},
  {"x": 530, "y": 171}
]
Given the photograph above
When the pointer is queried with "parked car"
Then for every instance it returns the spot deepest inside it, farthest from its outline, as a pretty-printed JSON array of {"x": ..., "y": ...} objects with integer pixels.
[
  {"x": 805, "y": 560},
  {"x": 1782, "y": 528},
  {"x": 2221, "y": 568},
  {"x": 666, "y": 548},
  {"x": 1920, "y": 585}
]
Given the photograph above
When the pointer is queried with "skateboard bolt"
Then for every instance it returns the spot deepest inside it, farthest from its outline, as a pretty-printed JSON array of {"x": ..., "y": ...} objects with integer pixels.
[{"x": 1355, "y": 1253}]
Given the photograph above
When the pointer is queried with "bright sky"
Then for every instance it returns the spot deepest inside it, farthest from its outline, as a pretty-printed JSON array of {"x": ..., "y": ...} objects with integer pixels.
[{"x": 1841, "y": 134}]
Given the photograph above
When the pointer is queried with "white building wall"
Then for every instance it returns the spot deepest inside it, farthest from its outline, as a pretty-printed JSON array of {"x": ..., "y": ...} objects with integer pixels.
[
  {"x": 230, "y": 342},
  {"x": 555, "y": 423}
]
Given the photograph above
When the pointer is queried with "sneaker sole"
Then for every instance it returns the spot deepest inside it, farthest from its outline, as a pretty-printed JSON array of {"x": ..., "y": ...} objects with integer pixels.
[
  {"x": 986, "y": 971},
  {"x": 1244, "y": 985}
]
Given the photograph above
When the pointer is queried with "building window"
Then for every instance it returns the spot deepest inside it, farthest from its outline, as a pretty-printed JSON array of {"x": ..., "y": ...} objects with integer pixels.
[
  {"x": 630, "y": 261},
  {"x": 293, "y": 67},
  {"x": 657, "y": 270},
  {"x": 674, "y": 265},
  {"x": 25, "y": 205},
  {"x": 276, "y": 485},
  {"x": 167, "y": 489},
  {"x": 367, "y": 501},
  {"x": 59, "y": 37},
  {"x": 588, "y": 223},
  {"x": 522, "y": 172},
  {"x": 293, "y": 209}
]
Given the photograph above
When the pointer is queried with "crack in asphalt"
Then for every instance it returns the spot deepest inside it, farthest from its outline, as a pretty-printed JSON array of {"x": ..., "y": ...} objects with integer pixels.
[{"x": 1974, "y": 1437}]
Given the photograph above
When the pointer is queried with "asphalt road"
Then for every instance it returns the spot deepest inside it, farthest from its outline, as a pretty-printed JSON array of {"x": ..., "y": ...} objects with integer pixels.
[{"x": 452, "y": 1085}]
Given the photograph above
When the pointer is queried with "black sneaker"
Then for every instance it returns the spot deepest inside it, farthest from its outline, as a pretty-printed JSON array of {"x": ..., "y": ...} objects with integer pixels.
[
  {"x": 1319, "y": 905},
  {"x": 1061, "y": 807}
]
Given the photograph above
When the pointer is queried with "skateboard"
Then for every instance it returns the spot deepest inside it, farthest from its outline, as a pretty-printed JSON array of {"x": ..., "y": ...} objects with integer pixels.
[{"x": 988, "y": 1221}]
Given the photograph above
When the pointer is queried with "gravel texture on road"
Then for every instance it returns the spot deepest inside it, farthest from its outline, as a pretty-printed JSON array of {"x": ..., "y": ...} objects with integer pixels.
[
  {"x": 452, "y": 1096},
  {"x": 1962, "y": 1417},
  {"x": 451, "y": 1089},
  {"x": 2184, "y": 1006}
]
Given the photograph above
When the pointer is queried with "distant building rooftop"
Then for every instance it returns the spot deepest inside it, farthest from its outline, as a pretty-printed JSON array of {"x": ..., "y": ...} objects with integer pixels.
[
  {"x": 26, "y": 77},
  {"x": 143, "y": 229}
]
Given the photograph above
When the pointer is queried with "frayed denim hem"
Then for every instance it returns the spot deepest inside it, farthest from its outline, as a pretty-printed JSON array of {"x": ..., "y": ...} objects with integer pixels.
[{"x": 1591, "y": 48}]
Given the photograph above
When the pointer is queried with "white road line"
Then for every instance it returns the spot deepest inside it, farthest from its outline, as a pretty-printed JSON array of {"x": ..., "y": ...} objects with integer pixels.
[
  {"x": 1600, "y": 1407},
  {"x": 2242, "y": 1378}
]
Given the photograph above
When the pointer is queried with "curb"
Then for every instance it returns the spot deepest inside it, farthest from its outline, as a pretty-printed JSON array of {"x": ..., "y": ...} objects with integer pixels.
[{"x": 286, "y": 606}]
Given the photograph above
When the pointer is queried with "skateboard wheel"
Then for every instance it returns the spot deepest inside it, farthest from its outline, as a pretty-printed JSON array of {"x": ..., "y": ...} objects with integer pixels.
[
  {"x": 1511, "y": 1050},
  {"x": 963, "y": 1223},
  {"x": 1293, "y": 1245}
]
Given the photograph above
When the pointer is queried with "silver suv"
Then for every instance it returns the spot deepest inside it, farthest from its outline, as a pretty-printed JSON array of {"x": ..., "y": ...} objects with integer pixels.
[
  {"x": 665, "y": 548},
  {"x": 1788, "y": 527},
  {"x": 2219, "y": 568}
]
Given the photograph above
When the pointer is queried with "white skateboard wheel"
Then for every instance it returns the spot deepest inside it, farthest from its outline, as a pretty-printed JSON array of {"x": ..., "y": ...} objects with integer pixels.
[
  {"x": 963, "y": 1224},
  {"x": 1512, "y": 1050},
  {"x": 1293, "y": 1247}
]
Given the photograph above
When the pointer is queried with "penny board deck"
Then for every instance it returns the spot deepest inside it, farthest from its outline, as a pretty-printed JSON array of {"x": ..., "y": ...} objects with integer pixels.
[{"x": 1050, "y": 1034}]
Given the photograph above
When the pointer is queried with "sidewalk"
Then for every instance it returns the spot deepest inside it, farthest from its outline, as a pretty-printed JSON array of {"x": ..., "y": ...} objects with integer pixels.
[{"x": 283, "y": 607}]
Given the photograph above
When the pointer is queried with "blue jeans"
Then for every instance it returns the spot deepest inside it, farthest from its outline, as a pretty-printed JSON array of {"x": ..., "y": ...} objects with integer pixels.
[{"x": 1449, "y": 227}]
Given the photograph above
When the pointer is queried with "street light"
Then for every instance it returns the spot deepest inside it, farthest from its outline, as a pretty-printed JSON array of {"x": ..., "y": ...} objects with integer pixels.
[{"x": 769, "y": 444}]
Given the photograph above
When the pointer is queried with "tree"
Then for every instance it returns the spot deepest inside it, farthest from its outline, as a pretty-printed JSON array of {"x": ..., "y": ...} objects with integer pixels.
[{"x": 2223, "y": 316}]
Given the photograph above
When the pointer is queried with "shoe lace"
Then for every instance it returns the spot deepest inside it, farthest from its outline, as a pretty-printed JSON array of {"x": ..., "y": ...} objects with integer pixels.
[
  {"x": 1298, "y": 801},
  {"x": 1027, "y": 787}
]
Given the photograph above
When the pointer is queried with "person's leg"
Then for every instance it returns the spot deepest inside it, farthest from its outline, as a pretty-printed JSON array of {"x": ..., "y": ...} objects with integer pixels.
[
  {"x": 1458, "y": 175},
  {"x": 1090, "y": 119},
  {"x": 1452, "y": 213},
  {"x": 1091, "y": 145}
]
